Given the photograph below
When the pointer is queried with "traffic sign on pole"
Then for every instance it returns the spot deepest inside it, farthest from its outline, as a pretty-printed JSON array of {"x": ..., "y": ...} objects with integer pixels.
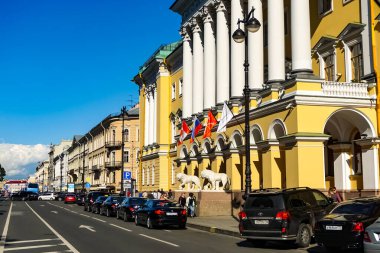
[{"x": 127, "y": 175}]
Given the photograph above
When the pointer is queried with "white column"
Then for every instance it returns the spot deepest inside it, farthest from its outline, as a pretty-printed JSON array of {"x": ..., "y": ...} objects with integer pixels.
[
  {"x": 155, "y": 116},
  {"x": 187, "y": 92},
  {"x": 151, "y": 113},
  {"x": 256, "y": 49},
  {"x": 146, "y": 119},
  {"x": 370, "y": 168},
  {"x": 197, "y": 69},
  {"x": 237, "y": 52},
  {"x": 209, "y": 65},
  {"x": 222, "y": 53},
  {"x": 301, "y": 49},
  {"x": 276, "y": 41}
]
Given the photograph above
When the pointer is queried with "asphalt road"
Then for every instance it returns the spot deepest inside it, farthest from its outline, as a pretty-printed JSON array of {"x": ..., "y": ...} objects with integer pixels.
[{"x": 52, "y": 226}]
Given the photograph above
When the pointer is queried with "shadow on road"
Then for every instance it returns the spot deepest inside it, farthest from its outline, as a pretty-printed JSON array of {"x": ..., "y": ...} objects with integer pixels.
[{"x": 267, "y": 245}]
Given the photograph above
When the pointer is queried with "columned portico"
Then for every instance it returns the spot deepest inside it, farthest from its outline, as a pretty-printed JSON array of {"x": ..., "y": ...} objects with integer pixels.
[
  {"x": 222, "y": 53},
  {"x": 197, "y": 68},
  {"x": 342, "y": 165},
  {"x": 300, "y": 30},
  {"x": 151, "y": 118},
  {"x": 255, "y": 49},
  {"x": 237, "y": 52},
  {"x": 276, "y": 41},
  {"x": 187, "y": 93},
  {"x": 146, "y": 119},
  {"x": 209, "y": 81}
]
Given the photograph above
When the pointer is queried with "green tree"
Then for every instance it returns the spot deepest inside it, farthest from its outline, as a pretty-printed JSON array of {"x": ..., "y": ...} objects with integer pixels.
[{"x": 2, "y": 173}]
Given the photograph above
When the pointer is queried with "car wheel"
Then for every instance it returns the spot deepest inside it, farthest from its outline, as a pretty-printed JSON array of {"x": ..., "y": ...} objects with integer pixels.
[
  {"x": 304, "y": 236},
  {"x": 136, "y": 220},
  {"x": 149, "y": 223},
  {"x": 108, "y": 213},
  {"x": 23, "y": 199},
  {"x": 39, "y": 198},
  {"x": 333, "y": 249},
  {"x": 51, "y": 198},
  {"x": 125, "y": 218}
]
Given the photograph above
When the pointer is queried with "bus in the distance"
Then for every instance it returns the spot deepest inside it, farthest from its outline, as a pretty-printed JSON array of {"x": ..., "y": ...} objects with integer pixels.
[{"x": 32, "y": 187}]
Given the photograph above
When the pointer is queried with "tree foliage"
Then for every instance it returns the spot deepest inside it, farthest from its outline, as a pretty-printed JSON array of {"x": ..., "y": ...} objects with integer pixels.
[{"x": 2, "y": 173}]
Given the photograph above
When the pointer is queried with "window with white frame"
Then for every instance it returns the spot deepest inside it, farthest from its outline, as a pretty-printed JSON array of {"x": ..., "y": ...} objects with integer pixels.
[
  {"x": 329, "y": 67},
  {"x": 357, "y": 62},
  {"x": 126, "y": 135},
  {"x": 153, "y": 176},
  {"x": 126, "y": 156},
  {"x": 180, "y": 87},
  {"x": 325, "y": 50},
  {"x": 143, "y": 176},
  {"x": 324, "y": 6},
  {"x": 173, "y": 91},
  {"x": 173, "y": 130}
]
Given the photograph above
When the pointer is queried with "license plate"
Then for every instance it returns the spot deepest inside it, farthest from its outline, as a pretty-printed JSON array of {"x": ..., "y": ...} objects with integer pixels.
[
  {"x": 262, "y": 222},
  {"x": 171, "y": 214},
  {"x": 335, "y": 228}
]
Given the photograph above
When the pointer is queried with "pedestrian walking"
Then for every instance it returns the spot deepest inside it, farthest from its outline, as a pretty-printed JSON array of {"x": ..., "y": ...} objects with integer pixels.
[
  {"x": 191, "y": 204},
  {"x": 170, "y": 194},
  {"x": 182, "y": 200},
  {"x": 335, "y": 195}
]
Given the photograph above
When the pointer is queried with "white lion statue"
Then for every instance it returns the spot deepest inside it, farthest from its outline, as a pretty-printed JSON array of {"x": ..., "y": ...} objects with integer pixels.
[
  {"x": 192, "y": 181},
  {"x": 215, "y": 179}
]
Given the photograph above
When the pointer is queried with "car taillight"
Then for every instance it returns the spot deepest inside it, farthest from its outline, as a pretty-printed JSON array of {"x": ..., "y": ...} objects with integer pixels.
[
  {"x": 91, "y": 201},
  {"x": 243, "y": 216},
  {"x": 131, "y": 209},
  {"x": 183, "y": 212},
  {"x": 358, "y": 227},
  {"x": 366, "y": 237},
  {"x": 159, "y": 212},
  {"x": 282, "y": 215}
]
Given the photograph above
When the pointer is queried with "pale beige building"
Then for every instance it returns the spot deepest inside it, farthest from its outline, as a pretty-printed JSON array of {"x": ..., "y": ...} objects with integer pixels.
[{"x": 41, "y": 175}]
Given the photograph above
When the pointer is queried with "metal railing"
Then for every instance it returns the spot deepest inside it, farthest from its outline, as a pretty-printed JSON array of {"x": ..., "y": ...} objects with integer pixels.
[
  {"x": 113, "y": 164},
  {"x": 113, "y": 144}
]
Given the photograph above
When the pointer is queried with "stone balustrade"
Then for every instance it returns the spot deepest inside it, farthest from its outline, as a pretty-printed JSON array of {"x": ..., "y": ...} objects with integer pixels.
[{"x": 345, "y": 89}]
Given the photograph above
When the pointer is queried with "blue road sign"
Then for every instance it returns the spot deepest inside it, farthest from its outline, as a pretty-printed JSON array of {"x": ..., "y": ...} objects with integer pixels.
[
  {"x": 87, "y": 185},
  {"x": 127, "y": 175}
]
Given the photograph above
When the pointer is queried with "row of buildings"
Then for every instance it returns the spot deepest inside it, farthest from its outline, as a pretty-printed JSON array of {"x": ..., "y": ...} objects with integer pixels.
[
  {"x": 94, "y": 161},
  {"x": 314, "y": 108}
]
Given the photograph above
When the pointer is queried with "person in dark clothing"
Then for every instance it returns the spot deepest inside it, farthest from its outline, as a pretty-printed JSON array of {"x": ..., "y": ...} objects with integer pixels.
[{"x": 182, "y": 200}]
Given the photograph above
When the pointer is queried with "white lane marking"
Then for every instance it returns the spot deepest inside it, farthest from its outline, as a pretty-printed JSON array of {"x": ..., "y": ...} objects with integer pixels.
[
  {"x": 42, "y": 205},
  {"x": 98, "y": 219},
  {"x": 71, "y": 247},
  {"x": 85, "y": 215},
  {"x": 126, "y": 229},
  {"x": 167, "y": 230},
  {"x": 169, "y": 243},
  {"x": 54, "y": 212},
  {"x": 88, "y": 227},
  {"x": 5, "y": 231},
  {"x": 28, "y": 241},
  {"x": 30, "y": 247}
]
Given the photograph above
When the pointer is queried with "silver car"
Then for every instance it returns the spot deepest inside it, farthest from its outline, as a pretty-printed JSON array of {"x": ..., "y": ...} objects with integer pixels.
[{"x": 371, "y": 239}]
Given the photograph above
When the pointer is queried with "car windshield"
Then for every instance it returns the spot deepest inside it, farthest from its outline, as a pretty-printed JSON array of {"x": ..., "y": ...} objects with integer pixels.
[
  {"x": 137, "y": 201},
  {"x": 264, "y": 202},
  {"x": 164, "y": 204},
  {"x": 70, "y": 195},
  {"x": 354, "y": 208}
]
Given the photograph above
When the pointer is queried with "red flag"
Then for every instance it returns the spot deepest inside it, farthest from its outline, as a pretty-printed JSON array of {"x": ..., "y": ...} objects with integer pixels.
[
  {"x": 185, "y": 130},
  {"x": 211, "y": 122}
]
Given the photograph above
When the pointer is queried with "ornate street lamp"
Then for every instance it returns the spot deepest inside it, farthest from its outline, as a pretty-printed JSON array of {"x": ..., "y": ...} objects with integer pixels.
[
  {"x": 239, "y": 36},
  {"x": 123, "y": 110}
]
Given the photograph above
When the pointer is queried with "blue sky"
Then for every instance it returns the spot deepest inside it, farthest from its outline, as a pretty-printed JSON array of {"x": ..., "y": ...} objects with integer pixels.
[{"x": 66, "y": 64}]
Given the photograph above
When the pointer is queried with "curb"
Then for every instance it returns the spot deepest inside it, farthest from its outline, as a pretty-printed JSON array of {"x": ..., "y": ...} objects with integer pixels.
[{"x": 214, "y": 230}]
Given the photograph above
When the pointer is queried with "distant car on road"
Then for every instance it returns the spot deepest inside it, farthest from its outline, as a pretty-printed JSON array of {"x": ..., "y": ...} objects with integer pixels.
[
  {"x": 70, "y": 198},
  {"x": 95, "y": 208},
  {"x": 127, "y": 209},
  {"x": 108, "y": 207},
  {"x": 46, "y": 196},
  {"x": 60, "y": 196},
  {"x": 161, "y": 213},
  {"x": 24, "y": 195},
  {"x": 80, "y": 198},
  {"x": 90, "y": 199},
  {"x": 343, "y": 227}
]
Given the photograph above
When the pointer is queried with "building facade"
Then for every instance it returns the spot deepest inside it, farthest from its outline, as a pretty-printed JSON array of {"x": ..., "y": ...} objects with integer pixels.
[
  {"x": 313, "y": 102},
  {"x": 58, "y": 163},
  {"x": 41, "y": 175}
]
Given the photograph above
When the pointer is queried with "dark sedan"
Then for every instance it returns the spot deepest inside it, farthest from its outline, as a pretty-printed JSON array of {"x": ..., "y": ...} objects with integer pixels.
[
  {"x": 95, "y": 208},
  {"x": 127, "y": 209},
  {"x": 108, "y": 207},
  {"x": 24, "y": 195},
  {"x": 344, "y": 227},
  {"x": 80, "y": 198},
  {"x": 161, "y": 213}
]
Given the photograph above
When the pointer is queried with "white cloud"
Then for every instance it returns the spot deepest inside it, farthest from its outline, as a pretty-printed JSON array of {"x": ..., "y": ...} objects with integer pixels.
[{"x": 15, "y": 158}]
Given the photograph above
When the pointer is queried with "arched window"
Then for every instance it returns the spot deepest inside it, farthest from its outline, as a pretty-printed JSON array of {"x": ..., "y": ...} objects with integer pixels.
[{"x": 126, "y": 135}]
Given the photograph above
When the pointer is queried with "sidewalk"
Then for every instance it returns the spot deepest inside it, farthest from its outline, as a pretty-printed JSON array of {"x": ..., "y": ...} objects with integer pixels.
[{"x": 227, "y": 225}]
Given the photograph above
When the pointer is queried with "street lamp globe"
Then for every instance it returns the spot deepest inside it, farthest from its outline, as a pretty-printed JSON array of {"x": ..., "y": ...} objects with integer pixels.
[
  {"x": 239, "y": 35},
  {"x": 253, "y": 25}
]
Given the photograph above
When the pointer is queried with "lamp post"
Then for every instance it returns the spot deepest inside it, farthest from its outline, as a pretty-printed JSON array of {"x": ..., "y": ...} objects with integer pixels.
[
  {"x": 123, "y": 110},
  {"x": 239, "y": 36}
]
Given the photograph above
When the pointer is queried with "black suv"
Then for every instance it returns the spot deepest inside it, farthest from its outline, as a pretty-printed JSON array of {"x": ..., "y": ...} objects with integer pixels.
[
  {"x": 24, "y": 195},
  {"x": 90, "y": 199},
  {"x": 285, "y": 215}
]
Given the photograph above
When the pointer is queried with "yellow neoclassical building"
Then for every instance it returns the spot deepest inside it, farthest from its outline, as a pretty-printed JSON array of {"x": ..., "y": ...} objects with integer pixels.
[{"x": 313, "y": 109}]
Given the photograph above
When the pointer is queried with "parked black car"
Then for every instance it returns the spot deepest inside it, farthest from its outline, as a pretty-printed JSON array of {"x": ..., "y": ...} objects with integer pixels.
[
  {"x": 80, "y": 198},
  {"x": 108, "y": 207},
  {"x": 60, "y": 196},
  {"x": 90, "y": 199},
  {"x": 24, "y": 195},
  {"x": 343, "y": 227},
  {"x": 283, "y": 215},
  {"x": 95, "y": 208},
  {"x": 161, "y": 213},
  {"x": 127, "y": 209}
]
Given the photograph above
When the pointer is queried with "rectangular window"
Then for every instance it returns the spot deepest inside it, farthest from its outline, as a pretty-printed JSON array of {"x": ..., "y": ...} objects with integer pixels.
[
  {"x": 173, "y": 91},
  {"x": 324, "y": 6},
  {"x": 126, "y": 156},
  {"x": 173, "y": 131},
  {"x": 329, "y": 67},
  {"x": 137, "y": 134},
  {"x": 180, "y": 87},
  {"x": 357, "y": 62}
]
